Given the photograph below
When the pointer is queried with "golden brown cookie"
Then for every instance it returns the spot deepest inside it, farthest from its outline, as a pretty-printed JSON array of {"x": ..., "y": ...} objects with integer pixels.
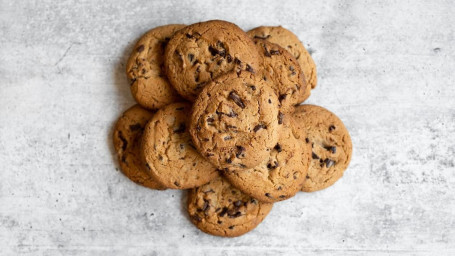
[
  {"x": 290, "y": 42},
  {"x": 149, "y": 85},
  {"x": 235, "y": 120},
  {"x": 219, "y": 209},
  {"x": 169, "y": 153},
  {"x": 203, "y": 51},
  {"x": 127, "y": 141},
  {"x": 287, "y": 77},
  {"x": 330, "y": 142},
  {"x": 282, "y": 175}
]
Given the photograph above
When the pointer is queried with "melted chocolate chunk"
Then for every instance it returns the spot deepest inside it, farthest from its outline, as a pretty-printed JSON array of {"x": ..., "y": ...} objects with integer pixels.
[
  {"x": 229, "y": 161},
  {"x": 259, "y": 126},
  {"x": 140, "y": 48},
  {"x": 135, "y": 127},
  {"x": 196, "y": 218},
  {"x": 180, "y": 129},
  {"x": 240, "y": 151},
  {"x": 272, "y": 166},
  {"x": 189, "y": 36},
  {"x": 329, "y": 163},
  {"x": 332, "y": 128},
  {"x": 307, "y": 140},
  {"x": 229, "y": 58},
  {"x": 210, "y": 119},
  {"x": 231, "y": 227},
  {"x": 249, "y": 68},
  {"x": 280, "y": 117},
  {"x": 190, "y": 57},
  {"x": 268, "y": 195},
  {"x": 282, "y": 97},
  {"x": 124, "y": 141},
  {"x": 213, "y": 51},
  {"x": 332, "y": 149},
  {"x": 228, "y": 138},
  {"x": 278, "y": 147},
  {"x": 262, "y": 37},
  {"x": 235, "y": 97},
  {"x": 314, "y": 156},
  {"x": 176, "y": 183},
  {"x": 275, "y": 52},
  {"x": 238, "y": 203},
  {"x": 223, "y": 212}
]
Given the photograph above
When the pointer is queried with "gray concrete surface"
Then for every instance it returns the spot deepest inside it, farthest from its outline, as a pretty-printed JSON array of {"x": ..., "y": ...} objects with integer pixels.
[{"x": 387, "y": 69}]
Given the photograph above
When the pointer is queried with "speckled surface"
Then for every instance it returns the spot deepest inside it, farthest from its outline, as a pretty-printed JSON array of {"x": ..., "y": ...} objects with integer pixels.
[{"x": 386, "y": 69}]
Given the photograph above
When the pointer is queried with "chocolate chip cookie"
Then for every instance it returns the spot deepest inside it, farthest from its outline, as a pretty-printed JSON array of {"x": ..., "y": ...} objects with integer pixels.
[
  {"x": 149, "y": 85},
  {"x": 168, "y": 152},
  {"x": 235, "y": 120},
  {"x": 330, "y": 142},
  {"x": 219, "y": 209},
  {"x": 282, "y": 175},
  {"x": 203, "y": 51},
  {"x": 127, "y": 141},
  {"x": 290, "y": 42},
  {"x": 287, "y": 77}
]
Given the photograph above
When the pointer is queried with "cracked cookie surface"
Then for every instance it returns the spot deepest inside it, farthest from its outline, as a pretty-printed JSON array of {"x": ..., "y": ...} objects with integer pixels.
[
  {"x": 235, "y": 120},
  {"x": 169, "y": 154},
  {"x": 330, "y": 142},
  {"x": 220, "y": 209},
  {"x": 127, "y": 140},
  {"x": 287, "y": 77},
  {"x": 291, "y": 43},
  {"x": 282, "y": 175},
  {"x": 149, "y": 85},
  {"x": 203, "y": 51}
]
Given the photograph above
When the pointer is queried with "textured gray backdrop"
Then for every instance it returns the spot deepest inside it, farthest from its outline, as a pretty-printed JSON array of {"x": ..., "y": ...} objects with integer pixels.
[{"x": 387, "y": 69}]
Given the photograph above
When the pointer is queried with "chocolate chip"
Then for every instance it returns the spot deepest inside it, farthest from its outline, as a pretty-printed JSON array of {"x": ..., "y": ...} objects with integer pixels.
[
  {"x": 240, "y": 151},
  {"x": 249, "y": 68},
  {"x": 180, "y": 108},
  {"x": 177, "y": 184},
  {"x": 314, "y": 156},
  {"x": 198, "y": 127},
  {"x": 331, "y": 128},
  {"x": 219, "y": 62},
  {"x": 231, "y": 227},
  {"x": 268, "y": 195},
  {"x": 307, "y": 177},
  {"x": 160, "y": 157},
  {"x": 182, "y": 146},
  {"x": 280, "y": 117},
  {"x": 147, "y": 166},
  {"x": 223, "y": 212},
  {"x": 282, "y": 97},
  {"x": 279, "y": 188},
  {"x": 237, "y": 61},
  {"x": 210, "y": 119},
  {"x": 213, "y": 51},
  {"x": 229, "y": 58},
  {"x": 270, "y": 101},
  {"x": 291, "y": 68},
  {"x": 235, "y": 97},
  {"x": 259, "y": 126},
  {"x": 192, "y": 146},
  {"x": 124, "y": 141},
  {"x": 219, "y": 222},
  {"x": 262, "y": 37},
  {"x": 180, "y": 129},
  {"x": 229, "y": 161},
  {"x": 231, "y": 126},
  {"x": 329, "y": 163},
  {"x": 253, "y": 87},
  {"x": 332, "y": 149},
  {"x": 278, "y": 147},
  {"x": 124, "y": 158},
  {"x": 228, "y": 138},
  {"x": 209, "y": 154},
  {"x": 307, "y": 140},
  {"x": 189, "y": 36},
  {"x": 206, "y": 206},
  {"x": 242, "y": 165},
  {"x": 275, "y": 52},
  {"x": 272, "y": 166},
  {"x": 140, "y": 48},
  {"x": 266, "y": 51},
  {"x": 238, "y": 203},
  {"x": 235, "y": 215},
  {"x": 282, "y": 196},
  {"x": 253, "y": 201},
  {"x": 217, "y": 209},
  {"x": 196, "y": 218},
  {"x": 190, "y": 57}
]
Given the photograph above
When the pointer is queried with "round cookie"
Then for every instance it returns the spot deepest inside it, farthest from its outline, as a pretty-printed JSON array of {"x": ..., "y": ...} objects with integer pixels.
[
  {"x": 203, "y": 51},
  {"x": 287, "y": 77},
  {"x": 127, "y": 141},
  {"x": 169, "y": 153},
  {"x": 235, "y": 120},
  {"x": 330, "y": 142},
  {"x": 149, "y": 85},
  {"x": 290, "y": 42},
  {"x": 219, "y": 209},
  {"x": 282, "y": 175}
]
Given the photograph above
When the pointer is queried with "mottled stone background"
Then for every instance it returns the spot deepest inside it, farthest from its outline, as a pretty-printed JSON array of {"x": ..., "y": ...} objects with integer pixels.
[{"x": 387, "y": 69}]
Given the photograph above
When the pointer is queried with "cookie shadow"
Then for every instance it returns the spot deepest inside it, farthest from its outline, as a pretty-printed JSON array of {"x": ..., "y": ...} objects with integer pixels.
[{"x": 122, "y": 97}]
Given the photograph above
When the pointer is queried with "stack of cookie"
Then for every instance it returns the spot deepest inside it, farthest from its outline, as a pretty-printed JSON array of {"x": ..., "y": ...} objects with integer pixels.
[{"x": 219, "y": 112}]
